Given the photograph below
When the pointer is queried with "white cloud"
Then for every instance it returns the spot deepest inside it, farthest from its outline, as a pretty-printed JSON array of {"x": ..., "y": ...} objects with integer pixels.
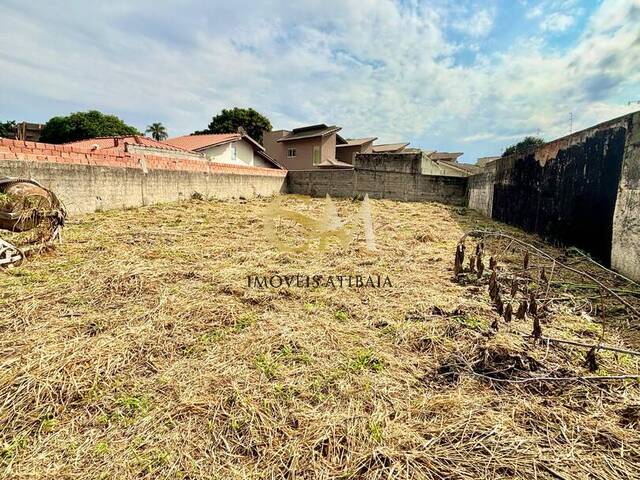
[
  {"x": 378, "y": 68},
  {"x": 478, "y": 23},
  {"x": 557, "y": 22},
  {"x": 535, "y": 12}
]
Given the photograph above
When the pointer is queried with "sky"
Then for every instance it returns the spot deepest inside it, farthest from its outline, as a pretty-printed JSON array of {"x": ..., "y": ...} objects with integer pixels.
[{"x": 470, "y": 76}]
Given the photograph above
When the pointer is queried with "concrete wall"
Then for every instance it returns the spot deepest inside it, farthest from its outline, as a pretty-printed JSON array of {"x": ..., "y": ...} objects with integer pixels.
[
  {"x": 480, "y": 191},
  {"x": 625, "y": 253},
  {"x": 568, "y": 190},
  {"x": 448, "y": 169},
  {"x": 88, "y": 181},
  {"x": 395, "y": 177}
]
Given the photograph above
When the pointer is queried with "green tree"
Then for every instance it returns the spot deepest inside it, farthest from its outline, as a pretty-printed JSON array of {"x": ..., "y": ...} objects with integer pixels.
[
  {"x": 525, "y": 145},
  {"x": 157, "y": 131},
  {"x": 8, "y": 129},
  {"x": 228, "y": 121},
  {"x": 84, "y": 125}
]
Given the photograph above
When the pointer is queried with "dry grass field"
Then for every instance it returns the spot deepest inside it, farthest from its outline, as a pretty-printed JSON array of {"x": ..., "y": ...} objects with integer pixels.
[{"x": 137, "y": 350}]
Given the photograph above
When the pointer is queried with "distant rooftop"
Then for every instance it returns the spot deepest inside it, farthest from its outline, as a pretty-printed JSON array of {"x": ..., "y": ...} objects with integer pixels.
[
  {"x": 119, "y": 142},
  {"x": 446, "y": 156},
  {"x": 202, "y": 141},
  {"x": 389, "y": 147},
  {"x": 311, "y": 131},
  {"x": 354, "y": 142}
]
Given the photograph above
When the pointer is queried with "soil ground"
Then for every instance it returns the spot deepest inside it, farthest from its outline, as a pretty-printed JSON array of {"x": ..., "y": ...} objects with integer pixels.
[{"x": 136, "y": 349}]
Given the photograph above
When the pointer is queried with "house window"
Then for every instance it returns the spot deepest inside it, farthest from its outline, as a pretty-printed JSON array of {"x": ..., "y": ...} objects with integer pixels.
[
  {"x": 234, "y": 152},
  {"x": 291, "y": 152},
  {"x": 316, "y": 155}
]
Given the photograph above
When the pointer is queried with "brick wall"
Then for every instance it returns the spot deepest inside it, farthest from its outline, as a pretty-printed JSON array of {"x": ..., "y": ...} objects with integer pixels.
[{"x": 87, "y": 181}]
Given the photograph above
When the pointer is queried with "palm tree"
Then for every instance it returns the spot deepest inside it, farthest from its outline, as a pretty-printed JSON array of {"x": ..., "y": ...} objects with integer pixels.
[{"x": 157, "y": 131}]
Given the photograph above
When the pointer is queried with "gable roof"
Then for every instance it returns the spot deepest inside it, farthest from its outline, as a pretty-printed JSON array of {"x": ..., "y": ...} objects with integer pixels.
[
  {"x": 389, "y": 147},
  {"x": 354, "y": 142},
  {"x": 311, "y": 131},
  {"x": 202, "y": 141},
  {"x": 119, "y": 142}
]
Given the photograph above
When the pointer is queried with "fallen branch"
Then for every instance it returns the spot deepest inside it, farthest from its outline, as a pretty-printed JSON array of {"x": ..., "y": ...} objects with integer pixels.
[
  {"x": 586, "y": 345},
  {"x": 588, "y": 378},
  {"x": 476, "y": 233}
]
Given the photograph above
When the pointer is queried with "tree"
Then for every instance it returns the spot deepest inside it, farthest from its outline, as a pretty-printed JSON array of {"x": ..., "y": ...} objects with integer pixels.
[
  {"x": 228, "y": 121},
  {"x": 84, "y": 125},
  {"x": 8, "y": 129},
  {"x": 157, "y": 131},
  {"x": 525, "y": 145}
]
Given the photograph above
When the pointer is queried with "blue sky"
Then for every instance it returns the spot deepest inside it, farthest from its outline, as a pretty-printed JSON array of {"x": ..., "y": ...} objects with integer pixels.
[{"x": 470, "y": 76}]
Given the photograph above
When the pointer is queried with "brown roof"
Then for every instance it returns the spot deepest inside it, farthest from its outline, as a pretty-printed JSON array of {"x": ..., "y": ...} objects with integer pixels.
[
  {"x": 310, "y": 132},
  {"x": 118, "y": 143},
  {"x": 202, "y": 141},
  {"x": 353, "y": 142},
  {"x": 389, "y": 147}
]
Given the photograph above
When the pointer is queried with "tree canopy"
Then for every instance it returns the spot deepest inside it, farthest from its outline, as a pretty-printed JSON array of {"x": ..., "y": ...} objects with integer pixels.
[
  {"x": 228, "y": 121},
  {"x": 526, "y": 144},
  {"x": 8, "y": 129},
  {"x": 157, "y": 130},
  {"x": 84, "y": 125}
]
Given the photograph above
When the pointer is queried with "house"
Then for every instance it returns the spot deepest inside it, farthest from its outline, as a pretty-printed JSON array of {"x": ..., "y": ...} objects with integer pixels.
[
  {"x": 230, "y": 148},
  {"x": 29, "y": 131},
  {"x": 305, "y": 148},
  {"x": 390, "y": 147}
]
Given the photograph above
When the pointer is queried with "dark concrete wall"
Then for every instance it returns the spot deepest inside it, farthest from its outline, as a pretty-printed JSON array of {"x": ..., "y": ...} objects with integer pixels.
[
  {"x": 396, "y": 177},
  {"x": 566, "y": 190}
]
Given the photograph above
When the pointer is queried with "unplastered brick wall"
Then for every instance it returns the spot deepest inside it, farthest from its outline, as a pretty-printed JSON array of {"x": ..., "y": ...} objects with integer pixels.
[{"x": 93, "y": 180}]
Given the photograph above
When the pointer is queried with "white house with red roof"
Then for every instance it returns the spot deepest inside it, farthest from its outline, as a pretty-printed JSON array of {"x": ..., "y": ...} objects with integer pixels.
[{"x": 230, "y": 148}]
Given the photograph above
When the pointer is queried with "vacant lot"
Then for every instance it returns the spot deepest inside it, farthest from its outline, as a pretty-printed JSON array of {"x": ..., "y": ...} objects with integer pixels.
[{"x": 137, "y": 350}]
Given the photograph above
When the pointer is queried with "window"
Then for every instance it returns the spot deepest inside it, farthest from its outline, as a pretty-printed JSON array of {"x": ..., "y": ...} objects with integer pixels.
[
  {"x": 234, "y": 152},
  {"x": 291, "y": 152},
  {"x": 316, "y": 155}
]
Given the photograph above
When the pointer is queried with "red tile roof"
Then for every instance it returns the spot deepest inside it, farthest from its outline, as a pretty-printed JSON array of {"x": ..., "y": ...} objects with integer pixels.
[
  {"x": 199, "y": 142},
  {"x": 118, "y": 143}
]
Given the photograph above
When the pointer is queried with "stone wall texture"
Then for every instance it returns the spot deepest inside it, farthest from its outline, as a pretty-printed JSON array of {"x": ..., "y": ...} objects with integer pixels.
[
  {"x": 395, "y": 177},
  {"x": 580, "y": 190},
  {"x": 625, "y": 253},
  {"x": 87, "y": 181}
]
